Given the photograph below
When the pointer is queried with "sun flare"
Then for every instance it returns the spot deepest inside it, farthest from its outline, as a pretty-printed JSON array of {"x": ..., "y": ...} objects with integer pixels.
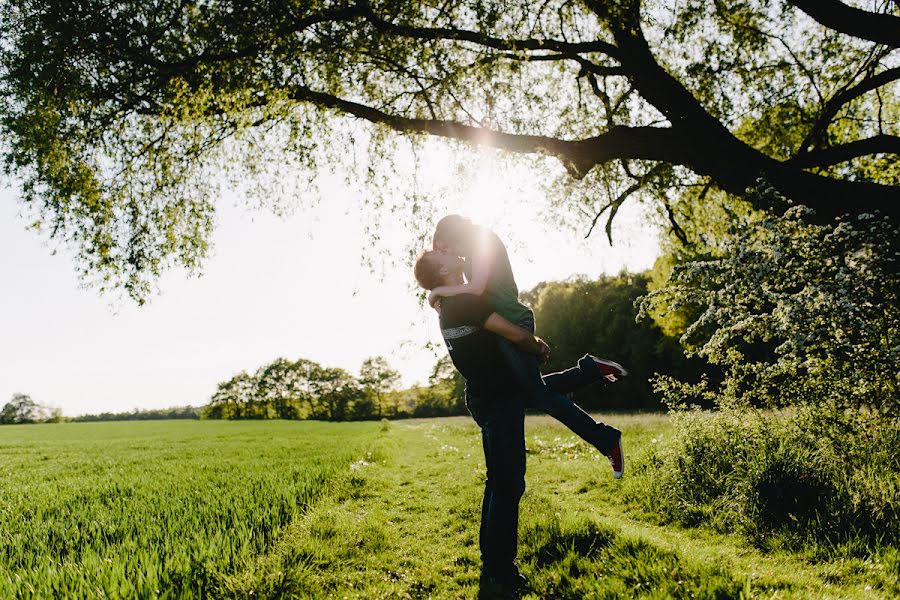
[{"x": 479, "y": 185}]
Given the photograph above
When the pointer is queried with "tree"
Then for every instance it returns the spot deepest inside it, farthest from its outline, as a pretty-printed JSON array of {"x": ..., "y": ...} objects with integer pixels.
[
  {"x": 111, "y": 117},
  {"x": 378, "y": 378},
  {"x": 21, "y": 409},
  {"x": 598, "y": 317},
  {"x": 54, "y": 415},
  {"x": 795, "y": 313},
  {"x": 286, "y": 388},
  {"x": 336, "y": 391},
  {"x": 445, "y": 394},
  {"x": 707, "y": 232},
  {"x": 233, "y": 398},
  {"x": 444, "y": 374}
]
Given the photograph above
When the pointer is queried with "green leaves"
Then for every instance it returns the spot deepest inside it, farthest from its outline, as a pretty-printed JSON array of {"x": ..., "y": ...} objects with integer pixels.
[
  {"x": 796, "y": 313},
  {"x": 114, "y": 119}
]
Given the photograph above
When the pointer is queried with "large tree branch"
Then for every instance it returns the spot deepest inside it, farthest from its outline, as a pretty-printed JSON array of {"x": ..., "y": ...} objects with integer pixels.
[
  {"x": 879, "y": 144},
  {"x": 709, "y": 148},
  {"x": 836, "y": 102},
  {"x": 730, "y": 163},
  {"x": 875, "y": 27},
  {"x": 578, "y": 156},
  {"x": 866, "y": 85},
  {"x": 656, "y": 85},
  {"x": 481, "y": 39}
]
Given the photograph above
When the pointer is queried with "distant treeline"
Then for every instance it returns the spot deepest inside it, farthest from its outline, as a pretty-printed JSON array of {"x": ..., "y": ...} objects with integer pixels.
[
  {"x": 22, "y": 410},
  {"x": 304, "y": 389},
  {"x": 176, "y": 412},
  {"x": 575, "y": 317}
]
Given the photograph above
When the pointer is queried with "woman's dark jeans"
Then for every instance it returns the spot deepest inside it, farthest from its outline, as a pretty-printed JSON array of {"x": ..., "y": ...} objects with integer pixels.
[{"x": 548, "y": 393}]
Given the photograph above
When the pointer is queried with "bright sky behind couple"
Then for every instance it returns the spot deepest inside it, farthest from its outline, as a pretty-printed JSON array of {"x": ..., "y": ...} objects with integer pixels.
[{"x": 310, "y": 284}]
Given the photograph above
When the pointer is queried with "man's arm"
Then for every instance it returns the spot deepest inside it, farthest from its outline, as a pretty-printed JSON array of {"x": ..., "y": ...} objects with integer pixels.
[
  {"x": 517, "y": 335},
  {"x": 481, "y": 266},
  {"x": 480, "y": 272}
]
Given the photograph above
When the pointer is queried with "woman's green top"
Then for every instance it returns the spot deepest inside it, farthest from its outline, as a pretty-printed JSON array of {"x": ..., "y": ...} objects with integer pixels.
[{"x": 501, "y": 290}]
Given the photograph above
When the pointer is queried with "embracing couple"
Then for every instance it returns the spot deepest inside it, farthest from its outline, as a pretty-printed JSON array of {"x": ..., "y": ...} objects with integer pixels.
[{"x": 490, "y": 337}]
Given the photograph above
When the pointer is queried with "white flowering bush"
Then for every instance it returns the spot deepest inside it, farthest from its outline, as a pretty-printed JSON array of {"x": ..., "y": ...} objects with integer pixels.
[
  {"x": 794, "y": 312},
  {"x": 789, "y": 313}
]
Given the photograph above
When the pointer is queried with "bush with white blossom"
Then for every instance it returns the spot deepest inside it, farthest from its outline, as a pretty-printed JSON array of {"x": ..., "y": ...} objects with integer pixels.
[{"x": 794, "y": 312}]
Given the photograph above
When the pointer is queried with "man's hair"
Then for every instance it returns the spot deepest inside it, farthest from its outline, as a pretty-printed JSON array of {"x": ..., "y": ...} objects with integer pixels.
[
  {"x": 452, "y": 229},
  {"x": 428, "y": 271}
]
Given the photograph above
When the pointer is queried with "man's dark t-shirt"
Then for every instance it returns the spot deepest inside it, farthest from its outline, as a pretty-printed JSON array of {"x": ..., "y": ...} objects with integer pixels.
[{"x": 474, "y": 351}]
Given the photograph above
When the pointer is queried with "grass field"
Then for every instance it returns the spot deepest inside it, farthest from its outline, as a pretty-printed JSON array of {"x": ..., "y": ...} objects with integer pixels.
[{"x": 356, "y": 510}]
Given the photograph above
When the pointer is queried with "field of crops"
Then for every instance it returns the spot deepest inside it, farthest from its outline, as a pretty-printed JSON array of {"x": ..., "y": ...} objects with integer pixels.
[
  {"x": 145, "y": 509},
  {"x": 187, "y": 509}
]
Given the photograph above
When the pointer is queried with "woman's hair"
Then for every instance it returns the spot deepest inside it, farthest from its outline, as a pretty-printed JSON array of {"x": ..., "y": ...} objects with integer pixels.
[
  {"x": 453, "y": 229},
  {"x": 427, "y": 271}
]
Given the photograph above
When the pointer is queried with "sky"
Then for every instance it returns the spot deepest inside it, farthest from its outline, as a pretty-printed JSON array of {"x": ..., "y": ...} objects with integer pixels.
[{"x": 294, "y": 286}]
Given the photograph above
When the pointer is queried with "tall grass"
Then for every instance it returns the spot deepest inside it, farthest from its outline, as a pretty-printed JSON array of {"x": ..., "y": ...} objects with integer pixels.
[
  {"x": 808, "y": 479},
  {"x": 155, "y": 509}
]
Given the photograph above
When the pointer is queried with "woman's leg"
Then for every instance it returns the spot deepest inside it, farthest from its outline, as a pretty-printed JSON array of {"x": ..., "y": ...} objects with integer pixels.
[
  {"x": 541, "y": 396},
  {"x": 583, "y": 374}
]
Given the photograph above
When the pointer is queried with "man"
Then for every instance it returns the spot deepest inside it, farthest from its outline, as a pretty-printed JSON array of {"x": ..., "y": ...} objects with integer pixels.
[{"x": 472, "y": 332}]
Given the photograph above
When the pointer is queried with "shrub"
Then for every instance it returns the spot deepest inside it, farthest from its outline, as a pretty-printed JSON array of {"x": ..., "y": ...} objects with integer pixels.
[
  {"x": 799, "y": 315},
  {"x": 801, "y": 479},
  {"x": 794, "y": 312}
]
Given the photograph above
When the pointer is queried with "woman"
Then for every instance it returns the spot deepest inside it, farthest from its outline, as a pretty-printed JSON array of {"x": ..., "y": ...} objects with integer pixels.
[{"x": 489, "y": 273}]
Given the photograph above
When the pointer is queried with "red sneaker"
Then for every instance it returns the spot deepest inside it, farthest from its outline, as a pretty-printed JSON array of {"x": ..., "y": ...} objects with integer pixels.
[
  {"x": 611, "y": 370},
  {"x": 617, "y": 459}
]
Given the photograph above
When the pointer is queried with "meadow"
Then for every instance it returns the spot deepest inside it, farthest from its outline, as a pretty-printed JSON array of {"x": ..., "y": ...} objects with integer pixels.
[
  {"x": 283, "y": 509},
  {"x": 156, "y": 509}
]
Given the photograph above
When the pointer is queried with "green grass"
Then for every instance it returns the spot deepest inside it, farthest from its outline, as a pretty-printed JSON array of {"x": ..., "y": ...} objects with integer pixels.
[
  {"x": 154, "y": 508},
  {"x": 312, "y": 510}
]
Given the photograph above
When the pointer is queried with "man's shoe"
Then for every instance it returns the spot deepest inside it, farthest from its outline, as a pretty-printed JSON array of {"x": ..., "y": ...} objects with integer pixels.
[
  {"x": 507, "y": 585},
  {"x": 610, "y": 370},
  {"x": 617, "y": 459}
]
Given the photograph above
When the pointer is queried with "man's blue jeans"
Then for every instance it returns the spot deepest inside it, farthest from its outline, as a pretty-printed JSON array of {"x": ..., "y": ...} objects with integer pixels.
[{"x": 502, "y": 422}]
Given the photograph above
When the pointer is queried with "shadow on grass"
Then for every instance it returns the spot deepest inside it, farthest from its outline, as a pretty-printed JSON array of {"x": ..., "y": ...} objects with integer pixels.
[
  {"x": 586, "y": 540},
  {"x": 586, "y": 559}
]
